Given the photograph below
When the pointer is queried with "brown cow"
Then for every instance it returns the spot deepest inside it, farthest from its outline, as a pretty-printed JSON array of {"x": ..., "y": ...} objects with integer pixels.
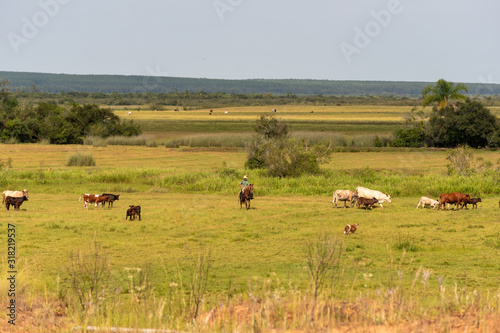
[
  {"x": 102, "y": 199},
  {"x": 133, "y": 211},
  {"x": 452, "y": 198},
  {"x": 367, "y": 202}
]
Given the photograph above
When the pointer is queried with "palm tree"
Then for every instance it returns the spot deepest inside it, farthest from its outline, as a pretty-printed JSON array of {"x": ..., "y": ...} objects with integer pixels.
[{"x": 442, "y": 92}]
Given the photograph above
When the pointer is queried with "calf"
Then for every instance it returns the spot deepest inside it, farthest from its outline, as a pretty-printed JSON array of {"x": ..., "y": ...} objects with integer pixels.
[
  {"x": 102, "y": 199},
  {"x": 427, "y": 201},
  {"x": 350, "y": 228},
  {"x": 367, "y": 202},
  {"x": 112, "y": 198},
  {"x": 14, "y": 201},
  {"x": 472, "y": 201},
  {"x": 133, "y": 211}
]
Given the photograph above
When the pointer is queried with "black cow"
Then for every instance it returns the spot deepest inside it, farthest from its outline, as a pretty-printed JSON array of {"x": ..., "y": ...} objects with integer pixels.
[
  {"x": 112, "y": 198},
  {"x": 133, "y": 211},
  {"x": 16, "y": 202},
  {"x": 472, "y": 201}
]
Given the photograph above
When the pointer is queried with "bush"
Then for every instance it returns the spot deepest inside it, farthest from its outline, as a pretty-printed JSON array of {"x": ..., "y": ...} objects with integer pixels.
[
  {"x": 412, "y": 133},
  {"x": 80, "y": 159},
  {"x": 271, "y": 128},
  {"x": 281, "y": 156},
  {"x": 462, "y": 162}
]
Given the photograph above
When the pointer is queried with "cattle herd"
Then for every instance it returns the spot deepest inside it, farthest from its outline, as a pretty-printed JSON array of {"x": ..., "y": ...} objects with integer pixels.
[
  {"x": 365, "y": 197},
  {"x": 361, "y": 197},
  {"x": 16, "y": 199}
]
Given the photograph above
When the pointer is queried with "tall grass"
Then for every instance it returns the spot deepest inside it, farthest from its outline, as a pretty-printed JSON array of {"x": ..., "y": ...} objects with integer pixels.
[
  {"x": 139, "y": 140},
  {"x": 342, "y": 140},
  {"x": 394, "y": 182},
  {"x": 209, "y": 140},
  {"x": 80, "y": 159}
]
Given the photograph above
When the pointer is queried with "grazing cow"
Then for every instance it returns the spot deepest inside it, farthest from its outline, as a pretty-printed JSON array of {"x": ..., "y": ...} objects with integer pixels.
[
  {"x": 14, "y": 194},
  {"x": 88, "y": 198},
  {"x": 343, "y": 195},
  {"x": 452, "y": 198},
  {"x": 350, "y": 228},
  {"x": 367, "y": 193},
  {"x": 472, "y": 201},
  {"x": 367, "y": 202},
  {"x": 133, "y": 211},
  {"x": 14, "y": 201},
  {"x": 427, "y": 201},
  {"x": 112, "y": 198}
]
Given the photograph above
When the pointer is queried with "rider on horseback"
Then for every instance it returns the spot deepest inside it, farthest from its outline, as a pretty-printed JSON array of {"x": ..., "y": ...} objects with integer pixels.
[{"x": 244, "y": 183}]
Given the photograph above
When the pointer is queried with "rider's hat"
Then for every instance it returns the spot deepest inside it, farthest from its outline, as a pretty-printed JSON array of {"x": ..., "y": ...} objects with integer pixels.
[{"x": 244, "y": 177}]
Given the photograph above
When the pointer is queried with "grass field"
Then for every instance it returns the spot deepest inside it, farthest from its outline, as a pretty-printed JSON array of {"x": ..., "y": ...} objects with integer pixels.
[{"x": 404, "y": 268}]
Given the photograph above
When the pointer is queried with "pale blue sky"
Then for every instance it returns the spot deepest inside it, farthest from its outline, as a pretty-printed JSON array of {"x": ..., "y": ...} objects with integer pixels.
[{"x": 397, "y": 40}]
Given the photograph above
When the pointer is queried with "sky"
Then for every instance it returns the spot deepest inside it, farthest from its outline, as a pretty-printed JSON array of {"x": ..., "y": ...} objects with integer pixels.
[{"x": 389, "y": 40}]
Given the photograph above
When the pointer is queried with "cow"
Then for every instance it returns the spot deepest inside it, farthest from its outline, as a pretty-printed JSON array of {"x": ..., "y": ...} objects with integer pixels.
[
  {"x": 343, "y": 195},
  {"x": 88, "y": 198},
  {"x": 133, "y": 211},
  {"x": 472, "y": 201},
  {"x": 350, "y": 228},
  {"x": 367, "y": 202},
  {"x": 14, "y": 194},
  {"x": 112, "y": 198},
  {"x": 427, "y": 201},
  {"x": 14, "y": 201},
  {"x": 367, "y": 193},
  {"x": 452, "y": 198}
]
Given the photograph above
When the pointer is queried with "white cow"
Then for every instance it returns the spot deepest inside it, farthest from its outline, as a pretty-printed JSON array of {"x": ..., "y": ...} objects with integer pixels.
[
  {"x": 427, "y": 201},
  {"x": 343, "y": 195},
  {"x": 15, "y": 194},
  {"x": 369, "y": 194}
]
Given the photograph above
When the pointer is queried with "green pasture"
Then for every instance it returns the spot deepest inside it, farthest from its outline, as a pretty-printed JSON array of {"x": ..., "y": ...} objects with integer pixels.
[
  {"x": 189, "y": 206},
  {"x": 188, "y": 197}
]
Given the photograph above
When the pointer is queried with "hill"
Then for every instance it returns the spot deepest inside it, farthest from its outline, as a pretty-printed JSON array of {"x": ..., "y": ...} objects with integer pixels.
[{"x": 55, "y": 83}]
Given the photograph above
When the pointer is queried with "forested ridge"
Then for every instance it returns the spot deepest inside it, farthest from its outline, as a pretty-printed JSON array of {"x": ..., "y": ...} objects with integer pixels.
[{"x": 56, "y": 83}]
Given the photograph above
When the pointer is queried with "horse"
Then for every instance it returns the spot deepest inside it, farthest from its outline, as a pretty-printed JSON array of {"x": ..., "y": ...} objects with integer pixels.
[{"x": 246, "y": 196}]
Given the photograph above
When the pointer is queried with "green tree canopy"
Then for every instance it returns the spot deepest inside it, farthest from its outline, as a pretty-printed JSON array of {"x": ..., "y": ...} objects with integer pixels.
[{"x": 471, "y": 123}]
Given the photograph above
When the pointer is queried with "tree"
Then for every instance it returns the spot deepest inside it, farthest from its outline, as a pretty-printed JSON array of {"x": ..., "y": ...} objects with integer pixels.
[
  {"x": 442, "y": 92},
  {"x": 471, "y": 123}
]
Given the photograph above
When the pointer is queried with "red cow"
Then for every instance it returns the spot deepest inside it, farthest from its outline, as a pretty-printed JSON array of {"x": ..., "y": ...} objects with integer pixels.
[{"x": 452, "y": 198}]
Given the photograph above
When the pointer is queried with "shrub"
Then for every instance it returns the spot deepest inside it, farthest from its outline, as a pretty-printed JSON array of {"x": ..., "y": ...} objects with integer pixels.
[
  {"x": 281, "y": 156},
  {"x": 271, "y": 128},
  {"x": 80, "y": 159},
  {"x": 412, "y": 132},
  {"x": 462, "y": 162}
]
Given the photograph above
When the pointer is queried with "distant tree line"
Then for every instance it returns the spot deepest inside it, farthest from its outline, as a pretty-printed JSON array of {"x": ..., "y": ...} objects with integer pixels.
[
  {"x": 55, "y": 83},
  {"x": 58, "y": 124}
]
